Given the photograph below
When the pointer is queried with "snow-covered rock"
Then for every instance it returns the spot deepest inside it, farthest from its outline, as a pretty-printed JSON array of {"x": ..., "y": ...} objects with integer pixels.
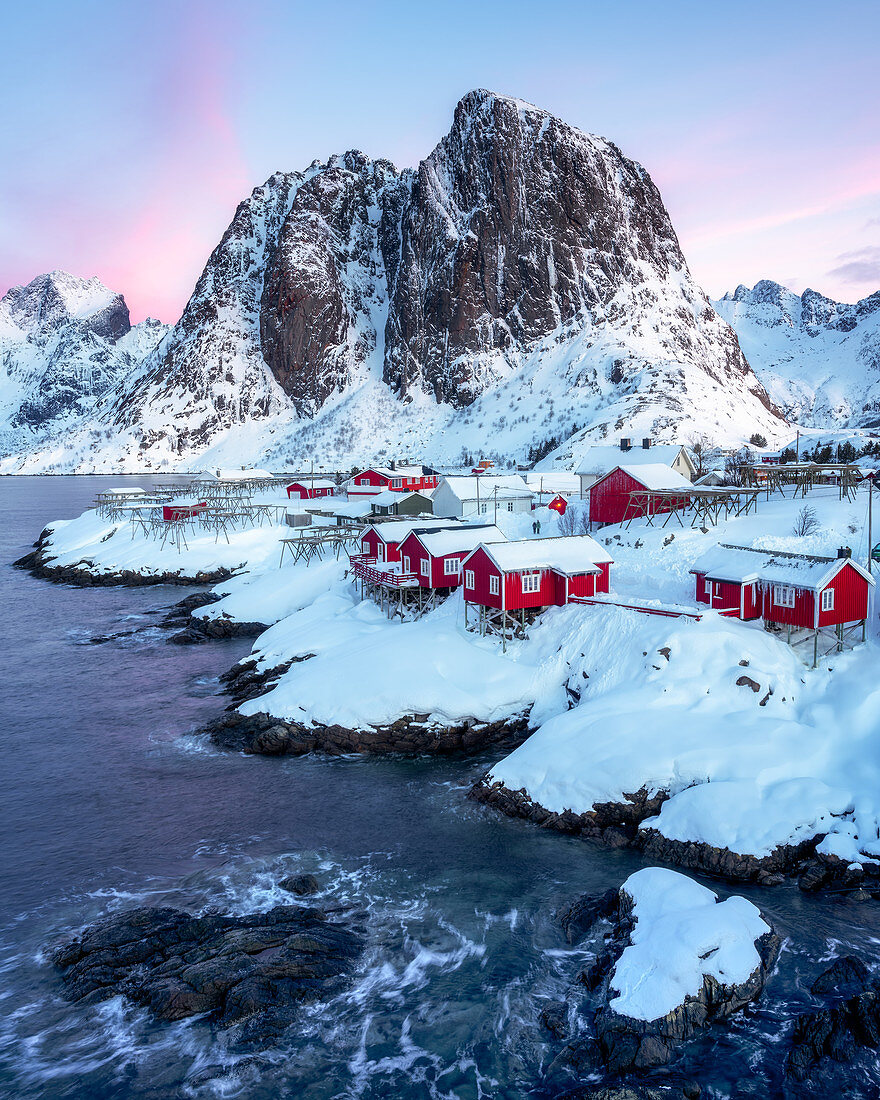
[
  {"x": 689, "y": 960},
  {"x": 523, "y": 281},
  {"x": 818, "y": 359}
]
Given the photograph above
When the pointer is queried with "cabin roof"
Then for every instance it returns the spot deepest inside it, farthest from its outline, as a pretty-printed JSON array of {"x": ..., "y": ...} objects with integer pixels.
[
  {"x": 461, "y": 539},
  {"x": 602, "y": 460},
  {"x": 316, "y": 483},
  {"x": 654, "y": 475},
  {"x": 569, "y": 554},
  {"x": 397, "y": 530},
  {"x": 508, "y": 485},
  {"x": 744, "y": 564}
]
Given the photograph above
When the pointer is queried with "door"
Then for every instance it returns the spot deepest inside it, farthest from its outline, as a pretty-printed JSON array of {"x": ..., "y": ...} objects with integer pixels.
[{"x": 717, "y": 598}]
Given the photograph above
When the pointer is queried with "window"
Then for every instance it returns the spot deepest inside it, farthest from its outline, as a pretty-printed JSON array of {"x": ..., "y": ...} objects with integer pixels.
[
  {"x": 380, "y": 551},
  {"x": 708, "y": 588},
  {"x": 510, "y": 506},
  {"x": 484, "y": 508},
  {"x": 397, "y": 483},
  {"x": 783, "y": 595},
  {"x": 406, "y": 567},
  {"x": 451, "y": 567},
  {"x": 469, "y": 578},
  {"x": 425, "y": 567},
  {"x": 828, "y": 599},
  {"x": 494, "y": 586},
  {"x": 531, "y": 582}
]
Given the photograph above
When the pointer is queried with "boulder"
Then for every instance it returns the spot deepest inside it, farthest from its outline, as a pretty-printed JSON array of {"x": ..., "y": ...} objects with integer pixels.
[
  {"x": 302, "y": 885},
  {"x": 687, "y": 960},
  {"x": 579, "y": 918}
]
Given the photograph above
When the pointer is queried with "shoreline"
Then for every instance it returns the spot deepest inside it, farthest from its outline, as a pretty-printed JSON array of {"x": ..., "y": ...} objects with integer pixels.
[{"x": 617, "y": 825}]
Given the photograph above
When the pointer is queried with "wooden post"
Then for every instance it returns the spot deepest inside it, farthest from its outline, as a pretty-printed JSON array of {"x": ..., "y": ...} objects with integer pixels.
[{"x": 815, "y": 648}]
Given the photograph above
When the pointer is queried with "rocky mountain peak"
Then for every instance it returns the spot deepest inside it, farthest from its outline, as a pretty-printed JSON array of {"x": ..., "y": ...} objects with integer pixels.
[{"x": 53, "y": 300}]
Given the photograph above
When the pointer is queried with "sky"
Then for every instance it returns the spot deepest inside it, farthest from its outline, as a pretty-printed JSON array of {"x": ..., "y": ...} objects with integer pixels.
[{"x": 130, "y": 132}]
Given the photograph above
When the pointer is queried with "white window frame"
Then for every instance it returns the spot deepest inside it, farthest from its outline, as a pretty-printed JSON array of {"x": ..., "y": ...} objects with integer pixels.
[
  {"x": 827, "y": 599},
  {"x": 380, "y": 551},
  {"x": 469, "y": 578},
  {"x": 494, "y": 584},
  {"x": 397, "y": 483},
  {"x": 531, "y": 583},
  {"x": 510, "y": 506},
  {"x": 484, "y": 508},
  {"x": 451, "y": 567},
  {"x": 406, "y": 564},
  {"x": 783, "y": 595},
  {"x": 708, "y": 584},
  {"x": 425, "y": 567}
]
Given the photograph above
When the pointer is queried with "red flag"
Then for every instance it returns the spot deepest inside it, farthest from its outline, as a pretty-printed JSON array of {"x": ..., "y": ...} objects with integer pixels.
[{"x": 558, "y": 504}]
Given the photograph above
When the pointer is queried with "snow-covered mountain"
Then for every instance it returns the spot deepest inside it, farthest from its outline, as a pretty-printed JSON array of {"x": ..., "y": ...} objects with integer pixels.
[
  {"x": 818, "y": 359},
  {"x": 64, "y": 344},
  {"x": 523, "y": 284}
]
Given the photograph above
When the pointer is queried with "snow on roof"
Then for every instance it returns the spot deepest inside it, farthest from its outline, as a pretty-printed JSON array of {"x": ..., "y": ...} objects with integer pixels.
[
  {"x": 681, "y": 934},
  {"x": 602, "y": 460},
  {"x": 386, "y": 471},
  {"x": 394, "y": 496},
  {"x": 243, "y": 475},
  {"x": 397, "y": 530},
  {"x": 553, "y": 482},
  {"x": 461, "y": 539},
  {"x": 657, "y": 476},
  {"x": 508, "y": 486},
  {"x": 744, "y": 564},
  {"x": 353, "y": 508},
  {"x": 569, "y": 554},
  {"x": 314, "y": 482}
]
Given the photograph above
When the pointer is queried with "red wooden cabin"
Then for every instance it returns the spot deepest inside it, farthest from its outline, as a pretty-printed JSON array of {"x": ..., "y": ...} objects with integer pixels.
[
  {"x": 381, "y": 541},
  {"x": 435, "y": 557},
  {"x": 312, "y": 488},
  {"x": 404, "y": 479},
  {"x": 533, "y": 573},
  {"x": 610, "y": 495},
  {"x": 179, "y": 510},
  {"x": 799, "y": 590}
]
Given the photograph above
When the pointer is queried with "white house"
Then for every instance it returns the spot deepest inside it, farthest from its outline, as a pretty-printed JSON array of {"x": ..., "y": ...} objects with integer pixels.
[
  {"x": 483, "y": 495},
  {"x": 596, "y": 462}
]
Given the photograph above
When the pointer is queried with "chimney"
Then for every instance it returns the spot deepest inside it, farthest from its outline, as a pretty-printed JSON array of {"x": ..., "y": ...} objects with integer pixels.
[
  {"x": 844, "y": 552},
  {"x": 625, "y": 444},
  {"x": 646, "y": 444}
]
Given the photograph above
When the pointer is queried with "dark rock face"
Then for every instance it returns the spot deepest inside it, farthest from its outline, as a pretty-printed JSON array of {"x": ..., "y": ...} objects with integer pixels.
[
  {"x": 263, "y": 735},
  {"x": 314, "y": 317},
  {"x": 579, "y": 918},
  {"x": 52, "y": 301},
  {"x": 301, "y": 885},
  {"x": 251, "y": 971},
  {"x": 840, "y": 1032}
]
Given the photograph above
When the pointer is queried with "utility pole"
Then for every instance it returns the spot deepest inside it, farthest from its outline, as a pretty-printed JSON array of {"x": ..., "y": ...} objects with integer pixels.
[
  {"x": 870, "y": 519},
  {"x": 797, "y": 447},
  {"x": 496, "y": 505},
  {"x": 477, "y": 476}
]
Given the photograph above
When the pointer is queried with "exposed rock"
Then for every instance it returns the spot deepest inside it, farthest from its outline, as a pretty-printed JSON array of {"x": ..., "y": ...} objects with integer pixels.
[
  {"x": 251, "y": 971},
  {"x": 261, "y": 734},
  {"x": 579, "y": 918},
  {"x": 837, "y": 1033},
  {"x": 845, "y": 977},
  {"x": 554, "y": 1017},
  {"x": 301, "y": 885}
]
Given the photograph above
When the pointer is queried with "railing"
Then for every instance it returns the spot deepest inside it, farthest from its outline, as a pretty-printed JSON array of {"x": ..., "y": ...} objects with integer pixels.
[
  {"x": 668, "y": 613},
  {"x": 390, "y": 579}
]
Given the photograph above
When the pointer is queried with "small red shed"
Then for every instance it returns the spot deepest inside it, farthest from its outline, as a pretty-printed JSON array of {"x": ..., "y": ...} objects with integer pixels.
[
  {"x": 182, "y": 510},
  {"x": 403, "y": 479},
  {"x": 610, "y": 494},
  {"x": 435, "y": 557},
  {"x": 382, "y": 540},
  {"x": 312, "y": 488},
  {"x": 797, "y": 590},
  {"x": 535, "y": 573}
]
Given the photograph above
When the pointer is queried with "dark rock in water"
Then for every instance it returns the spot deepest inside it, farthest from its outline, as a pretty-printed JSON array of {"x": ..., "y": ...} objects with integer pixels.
[
  {"x": 252, "y": 971},
  {"x": 554, "y": 1017},
  {"x": 200, "y": 630},
  {"x": 302, "y": 885},
  {"x": 592, "y": 976},
  {"x": 578, "y": 919},
  {"x": 840, "y": 1032},
  {"x": 689, "y": 1090},
  {"x": 845, "y": 977}
]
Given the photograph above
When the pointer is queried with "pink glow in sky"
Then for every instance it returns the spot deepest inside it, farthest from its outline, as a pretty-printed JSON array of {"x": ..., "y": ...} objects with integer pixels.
[{"x": 132, "y": 134}]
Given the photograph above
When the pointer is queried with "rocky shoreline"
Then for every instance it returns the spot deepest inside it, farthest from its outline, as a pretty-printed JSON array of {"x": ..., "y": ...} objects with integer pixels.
[
  {"x": 80, "y": 575},
  {"x": 264, "y": 735},
  {"x": 617, "y": 825}
]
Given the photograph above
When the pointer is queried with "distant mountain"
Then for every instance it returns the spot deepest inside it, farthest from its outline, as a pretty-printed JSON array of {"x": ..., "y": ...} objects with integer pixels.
[
  {"x": 818, "y": 359},
  {"x": 64, "y": 344},
  {"x": 522, "y": 286}
]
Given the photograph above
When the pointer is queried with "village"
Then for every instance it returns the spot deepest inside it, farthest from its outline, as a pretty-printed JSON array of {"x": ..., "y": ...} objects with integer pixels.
[{"x": 534, "y": 611}]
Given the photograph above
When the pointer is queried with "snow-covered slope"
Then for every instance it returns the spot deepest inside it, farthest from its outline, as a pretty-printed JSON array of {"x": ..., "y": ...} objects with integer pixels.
[
  {"x": 64, "y": 343},
  {"x": 524, "y": 282},
  {"x": 818, "y": 359}
]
